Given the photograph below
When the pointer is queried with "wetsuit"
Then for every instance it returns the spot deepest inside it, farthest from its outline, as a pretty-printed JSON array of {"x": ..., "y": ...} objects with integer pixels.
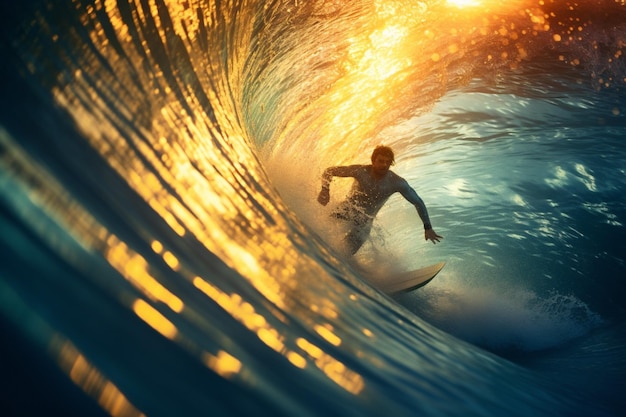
[{"x": 366, "y": 198}]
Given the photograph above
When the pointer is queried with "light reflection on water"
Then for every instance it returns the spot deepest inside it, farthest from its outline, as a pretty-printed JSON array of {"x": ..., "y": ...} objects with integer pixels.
[
  {"x": 149, "y": 281},
  {"x": 90, "y": 380},
  {"x": 68, "y": 358}
]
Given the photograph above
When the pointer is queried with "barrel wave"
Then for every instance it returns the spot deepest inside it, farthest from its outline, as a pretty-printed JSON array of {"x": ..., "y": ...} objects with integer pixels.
[{"x": 163, "y": 253}]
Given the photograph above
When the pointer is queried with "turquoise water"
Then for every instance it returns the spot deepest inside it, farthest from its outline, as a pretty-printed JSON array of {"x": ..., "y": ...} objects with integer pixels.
[{"x": 164, "y": 253}]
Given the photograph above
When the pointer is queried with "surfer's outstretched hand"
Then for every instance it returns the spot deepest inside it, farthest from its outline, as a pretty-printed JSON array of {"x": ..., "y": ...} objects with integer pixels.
[
  {"x": 324, "y": 197},
  {"x": 431, "y": 235}
]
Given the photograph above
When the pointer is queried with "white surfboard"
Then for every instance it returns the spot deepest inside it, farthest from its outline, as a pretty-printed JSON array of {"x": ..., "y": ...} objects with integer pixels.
[{"x": 405, "y": 281}]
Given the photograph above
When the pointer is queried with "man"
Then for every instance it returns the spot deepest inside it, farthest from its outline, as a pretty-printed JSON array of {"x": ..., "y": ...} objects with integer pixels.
[{"x": 373, "y": 185}]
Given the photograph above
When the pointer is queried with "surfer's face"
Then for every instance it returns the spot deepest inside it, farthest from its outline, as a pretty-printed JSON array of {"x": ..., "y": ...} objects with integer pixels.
[{"x": 381, "y": 164}]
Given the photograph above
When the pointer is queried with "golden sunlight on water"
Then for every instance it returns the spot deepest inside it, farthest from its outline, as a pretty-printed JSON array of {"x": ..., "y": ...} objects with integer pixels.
[
  {"x": 327, "y": 333},
  {"x": 66, "y": 355},
  {"x": 154, "y": 319},
  {"x": 43, "y": 190},
  {"x": 223, "y": 363},
  {"x": 386, "y": 59},
  {"x": 212, "y": 200},
  {"x": 171, "y": 145},
  {"x": 373, "y": 69},
  {"x": 93, "y": 236},
  {"x": 335, "y": 370},
  {"x": 91, "y": 381},
  {"x": 245, "y": 313},
  {"x": 134, "y": 268}
]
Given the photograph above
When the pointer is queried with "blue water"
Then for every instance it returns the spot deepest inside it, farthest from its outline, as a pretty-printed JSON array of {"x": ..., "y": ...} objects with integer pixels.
[{"x": 163, "y": 253}]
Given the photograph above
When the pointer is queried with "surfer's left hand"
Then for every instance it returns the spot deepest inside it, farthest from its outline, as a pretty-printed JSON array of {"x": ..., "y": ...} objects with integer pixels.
[{"x": 431, "y": 235}]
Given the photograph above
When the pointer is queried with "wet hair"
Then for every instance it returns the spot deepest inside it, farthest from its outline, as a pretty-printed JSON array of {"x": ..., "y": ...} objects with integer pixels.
[{"x": 384, "y": 151}]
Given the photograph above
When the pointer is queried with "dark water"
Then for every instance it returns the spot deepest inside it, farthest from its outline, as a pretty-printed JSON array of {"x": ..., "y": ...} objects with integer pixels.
[{"x": 163, "y": 253}]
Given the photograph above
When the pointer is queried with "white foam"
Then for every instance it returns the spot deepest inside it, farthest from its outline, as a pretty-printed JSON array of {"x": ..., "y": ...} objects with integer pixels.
[{"x": 498, "y": 318}]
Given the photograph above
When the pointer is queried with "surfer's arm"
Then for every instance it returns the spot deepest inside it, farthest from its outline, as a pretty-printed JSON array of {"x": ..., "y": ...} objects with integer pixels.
[
  {"x": 411, "y": 196},
  {"x": 339, "y": 171}
]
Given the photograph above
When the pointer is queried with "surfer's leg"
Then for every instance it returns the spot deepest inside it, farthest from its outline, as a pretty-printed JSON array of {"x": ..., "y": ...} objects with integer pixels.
[
  {"x": 357, "y": 235},
  {"x": 353, "y": 241}
]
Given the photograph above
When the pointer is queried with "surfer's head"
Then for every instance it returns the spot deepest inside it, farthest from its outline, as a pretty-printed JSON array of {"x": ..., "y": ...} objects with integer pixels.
[
  {"x": 383, "y": 151},
  {"x": 382, "y": 159}
]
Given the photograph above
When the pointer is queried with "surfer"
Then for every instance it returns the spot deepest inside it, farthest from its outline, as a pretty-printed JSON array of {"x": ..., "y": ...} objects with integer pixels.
[{"x": 373, "y": 185}]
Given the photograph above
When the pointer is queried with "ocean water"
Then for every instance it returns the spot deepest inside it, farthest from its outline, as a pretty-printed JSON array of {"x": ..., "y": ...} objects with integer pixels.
[{"x": 163, "y": 253}]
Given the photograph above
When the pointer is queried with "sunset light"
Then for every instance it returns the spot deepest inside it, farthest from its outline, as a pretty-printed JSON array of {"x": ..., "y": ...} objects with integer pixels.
[{"x": 463, "y": 3}]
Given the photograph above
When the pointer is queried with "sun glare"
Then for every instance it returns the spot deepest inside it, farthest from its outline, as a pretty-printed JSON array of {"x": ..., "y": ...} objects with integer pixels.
[{"x": 463, "y": 3}]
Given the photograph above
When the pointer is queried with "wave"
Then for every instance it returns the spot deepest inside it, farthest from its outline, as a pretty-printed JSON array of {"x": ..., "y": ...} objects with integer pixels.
[{"x": 163, "y": 252}]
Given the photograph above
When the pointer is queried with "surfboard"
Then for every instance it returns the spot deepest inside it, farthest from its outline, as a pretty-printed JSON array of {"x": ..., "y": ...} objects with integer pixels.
[{"x": 405, "y": 281}]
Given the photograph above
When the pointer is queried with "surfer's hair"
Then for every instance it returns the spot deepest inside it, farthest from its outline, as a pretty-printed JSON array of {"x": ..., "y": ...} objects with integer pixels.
[{"x": 384, "y": 151}]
